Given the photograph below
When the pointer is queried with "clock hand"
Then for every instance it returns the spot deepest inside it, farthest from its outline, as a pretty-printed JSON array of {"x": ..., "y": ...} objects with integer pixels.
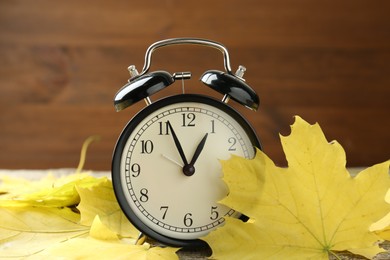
[
  {"x": 172, "y": 160},
  {"x": 189, "y": 169},
  {"x": 198, "y": 150},
  {"x": 178, "y": 145}
]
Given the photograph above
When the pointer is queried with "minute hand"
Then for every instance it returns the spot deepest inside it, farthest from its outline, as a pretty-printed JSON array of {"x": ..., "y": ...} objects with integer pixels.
[
  {"x": 198, "y": 150},
  {"x": 178, "y": 145}
]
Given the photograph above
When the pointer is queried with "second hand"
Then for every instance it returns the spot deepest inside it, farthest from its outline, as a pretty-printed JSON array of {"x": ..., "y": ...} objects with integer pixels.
[{"x": 172, "y": 160}]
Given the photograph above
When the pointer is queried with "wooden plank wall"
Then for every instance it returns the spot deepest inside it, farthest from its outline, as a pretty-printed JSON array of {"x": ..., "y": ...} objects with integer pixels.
[{"x": 61, "y": 62}]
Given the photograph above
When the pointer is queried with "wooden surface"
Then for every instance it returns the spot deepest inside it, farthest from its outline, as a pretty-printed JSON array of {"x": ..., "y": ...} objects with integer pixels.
[{"x": 61, "y": 62}]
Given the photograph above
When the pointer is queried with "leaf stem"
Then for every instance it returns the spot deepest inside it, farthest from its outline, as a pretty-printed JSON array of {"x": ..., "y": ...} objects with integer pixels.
[
  {"x": 334, "y": 254},
  {"x": 83, "y": 152}
]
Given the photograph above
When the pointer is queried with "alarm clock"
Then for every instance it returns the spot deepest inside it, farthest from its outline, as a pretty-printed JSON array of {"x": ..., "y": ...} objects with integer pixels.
[{"x": 166, "y": 170}]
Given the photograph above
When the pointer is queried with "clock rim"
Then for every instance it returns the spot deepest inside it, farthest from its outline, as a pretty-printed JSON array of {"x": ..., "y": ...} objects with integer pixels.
[{"x": 121, "y": 142}]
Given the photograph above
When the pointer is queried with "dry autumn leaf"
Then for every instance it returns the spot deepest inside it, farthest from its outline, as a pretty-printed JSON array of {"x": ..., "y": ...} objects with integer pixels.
[
  {"x": 32, "y": 230},
  {"x": 382, "y": 227},
  {"x": 100, "y": 200},
  {"x": 103, "y": 243},
  {"x": 38, "y": 219},
  {"x": 25, "y": 231},
  {"x": 89, "y": 248},
  {"x": 310, "y": 210},
  {"x": 47, "y": 192}
]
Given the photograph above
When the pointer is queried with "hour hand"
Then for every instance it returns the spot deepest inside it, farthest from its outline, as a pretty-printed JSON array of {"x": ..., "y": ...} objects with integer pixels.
[
  {"x": 198, "y": 150},
  {"x": 177, "y": 143}
]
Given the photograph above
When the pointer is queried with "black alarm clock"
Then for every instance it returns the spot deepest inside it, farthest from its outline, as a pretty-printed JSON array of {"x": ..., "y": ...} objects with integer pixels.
[{"x": 166, "y": 170}]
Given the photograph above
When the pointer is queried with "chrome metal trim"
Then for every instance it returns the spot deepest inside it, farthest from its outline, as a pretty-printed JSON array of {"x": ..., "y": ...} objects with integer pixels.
[{"x": 181, "y": 41}]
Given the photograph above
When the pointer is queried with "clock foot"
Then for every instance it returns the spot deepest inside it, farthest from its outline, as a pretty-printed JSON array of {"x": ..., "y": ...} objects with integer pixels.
[{"x": 141, "y": 239}]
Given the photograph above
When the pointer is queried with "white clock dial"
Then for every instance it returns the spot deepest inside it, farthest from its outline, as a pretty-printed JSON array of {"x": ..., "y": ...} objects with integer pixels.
[{"x": 169, "y": 165}]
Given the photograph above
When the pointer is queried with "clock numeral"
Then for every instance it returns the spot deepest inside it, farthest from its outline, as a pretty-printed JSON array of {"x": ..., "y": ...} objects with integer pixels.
[
  {"x": 164, "y": 128},
  {"x": 135, "y": 169},
  {"x": 214, "y": 213},
  {"x": 188, "y": 119},
  {"x": 188, "y": 220},
  {"x": 147, "y": 146},
  {"x": 212, "y": 127},
  {"x": 164, "y": 209},
  {"x": 232, "y": 141},
  {"x": 144, "y": 195}
]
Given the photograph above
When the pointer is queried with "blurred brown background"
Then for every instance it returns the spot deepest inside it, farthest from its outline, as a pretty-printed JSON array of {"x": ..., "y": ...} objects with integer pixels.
[{"x": 61, "y": 62}]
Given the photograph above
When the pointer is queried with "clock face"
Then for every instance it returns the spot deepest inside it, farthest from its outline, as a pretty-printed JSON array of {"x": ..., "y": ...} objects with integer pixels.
[{"x": 166, "y": 166}]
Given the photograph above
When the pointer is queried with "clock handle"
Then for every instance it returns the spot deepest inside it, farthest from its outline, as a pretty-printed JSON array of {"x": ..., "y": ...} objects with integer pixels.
[
  {"x": 230, "y": 85},
  {"x": 181, "y": 41},
  {"x": 143, "y": 85}
]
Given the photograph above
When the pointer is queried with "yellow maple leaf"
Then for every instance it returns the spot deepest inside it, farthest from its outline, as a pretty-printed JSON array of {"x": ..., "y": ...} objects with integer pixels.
[
  {"x": 102, "y": 232},
  {"x": 100, "y": 200},
  {"x": 88, "y": 248},
  {"x": 38, "y": 220},
  {"x": 46, "y": 192},
  {"x": 312, "y": 209},
  {"x": 103, "y": 243},
  {"x": 25, "y": 231},
  {"x": 382, "y": 227}
]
